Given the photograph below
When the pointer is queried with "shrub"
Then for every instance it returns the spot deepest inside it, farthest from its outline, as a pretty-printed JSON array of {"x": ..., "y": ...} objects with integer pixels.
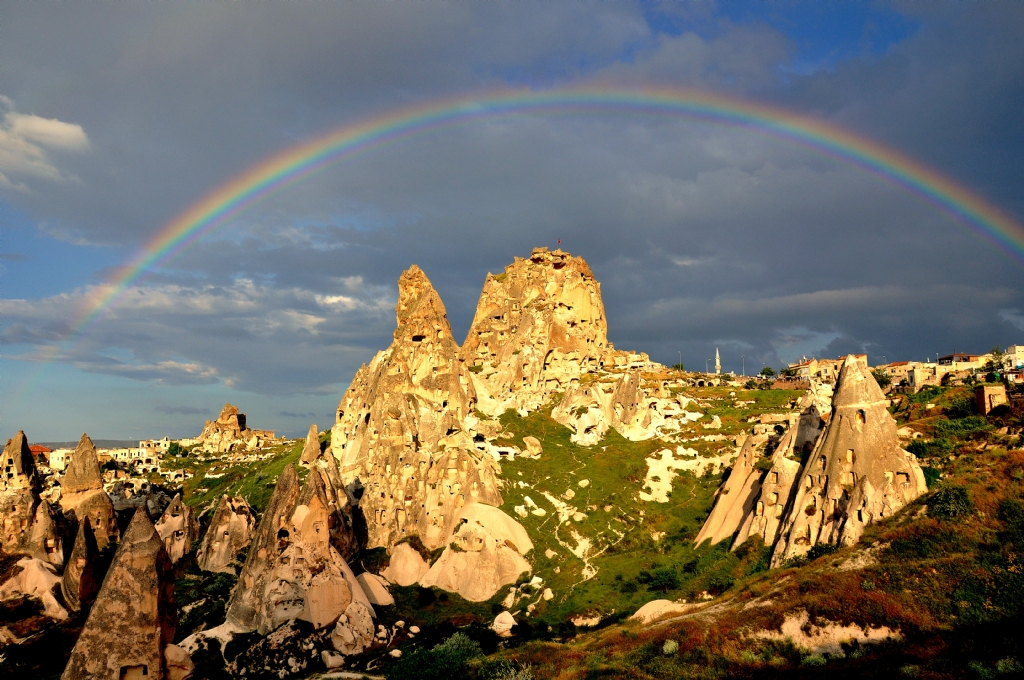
[
  {"x": 931, "y": 475},
  {"x": 664, "y": 579},
  {"x": 961, "y": 407},
  {"x": 670, "y": 647},
  {"x": 961, "y": 428},
  {"x": 446, "y": 660},
  {"x": 950, "y": 502},
  {"x": 813, "y": 660},
  {"x": 820, "y": 550},
  {"x": 882, "y": 378},
  {"x": 918, "y": 448}
]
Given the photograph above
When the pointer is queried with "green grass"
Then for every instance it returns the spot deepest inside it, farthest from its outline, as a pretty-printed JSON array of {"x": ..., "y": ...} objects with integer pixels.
[{"x": 253, "y": 481}]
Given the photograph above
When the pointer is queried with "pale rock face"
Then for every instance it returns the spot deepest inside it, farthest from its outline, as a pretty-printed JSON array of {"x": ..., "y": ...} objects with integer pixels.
[
  {"x": 134, "y": 618},
  {"x": 178, "y": 529},
  {"x": 401, "y": 428},
  {"x": 229, "y": 533},
  {"x": 765, "y": 518},
  {"x": 35, "y": 579},
  {"x": 590, "y": 409},
  {"x": 735, "y": 498},
  {"x": 293, "y": 570},
  {"x": 502, "y": 624},
  {"x": 18, "y": 466},
  {"x": 376, "y": 589},
  {"x": 406, "y": 566},
  {"x": 856, "y": 474},
  {"x": 82, "y": 578},
  {"x": 179, "y": 663},
  {"x": 485, "y": 553},
  {"x": 26, "y": 525},
  {"x": 311, "y": 450},
  {"x": 538, "y": 327},
  {"x": 353, "y": 633},
  {"x": 83, "y": 495},
  {"x": 815, "y": 410},
  {"x": 230, "y": 432},
  {"x": 533, "y": 447}
]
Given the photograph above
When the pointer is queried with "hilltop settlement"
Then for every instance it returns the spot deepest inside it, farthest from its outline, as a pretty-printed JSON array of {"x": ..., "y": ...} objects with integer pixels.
[{"x": 535, "y": 503}]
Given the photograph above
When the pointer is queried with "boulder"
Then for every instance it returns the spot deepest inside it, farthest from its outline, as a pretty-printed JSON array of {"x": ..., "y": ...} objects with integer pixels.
[
  {"x": 179, "y": 663},
  {"x": 503, "y": 623},
  {"x": 354, "y": 632},
  {"x": 406, "y": 566},
  {"x": 376, "y": 589},
  {"x": 230, "y": 531},
  {"x": 134, "y": 617},
  {"x": 37, "y": 579},
  {"x": 533, "y": 447}
]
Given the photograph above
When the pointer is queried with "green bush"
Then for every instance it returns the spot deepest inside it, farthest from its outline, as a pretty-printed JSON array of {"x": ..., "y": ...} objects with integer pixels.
[
  {"x": 664, "y": 579},
  {"x": 446, "y": 660},
  {"x": 882, "y": 378},
  {"x": 820, "y": 550},
  {"x": 931, "y": 475},
  {"x": 961, "y": 428},
  {"x": 961, "y": 407},
  {"x": 950, "y": 502},
  {"x": 813, "y": 660}
]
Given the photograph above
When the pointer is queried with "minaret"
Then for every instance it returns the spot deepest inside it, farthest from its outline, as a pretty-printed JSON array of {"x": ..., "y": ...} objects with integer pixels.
[{"x": 718, "y": 362}]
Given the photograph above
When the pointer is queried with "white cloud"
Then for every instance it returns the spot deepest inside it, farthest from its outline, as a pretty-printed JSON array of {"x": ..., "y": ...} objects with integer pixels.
[{"x": 25, "y": 143}]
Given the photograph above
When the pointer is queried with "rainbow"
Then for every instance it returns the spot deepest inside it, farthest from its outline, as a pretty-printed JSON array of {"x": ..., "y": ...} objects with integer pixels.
[{"x": 292, "y": 164}]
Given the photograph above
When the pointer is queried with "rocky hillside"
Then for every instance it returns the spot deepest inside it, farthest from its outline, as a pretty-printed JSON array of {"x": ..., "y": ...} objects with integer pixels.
[{"x": 537, "y": 503}]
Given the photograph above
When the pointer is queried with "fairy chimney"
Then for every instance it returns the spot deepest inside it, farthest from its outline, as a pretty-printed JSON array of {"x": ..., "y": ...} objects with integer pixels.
[
  {"x": 230, "y": 531},
  {"x": 178, "y": 529},
  {"x": 857, "y": 473},
  {"x": 311, "y": 451},
  {"x": 26, "y": 524},
  {"x": 82, "y": 577},
  {"x": 83, "y": 496},
  {"x": 134, "y": 617}
]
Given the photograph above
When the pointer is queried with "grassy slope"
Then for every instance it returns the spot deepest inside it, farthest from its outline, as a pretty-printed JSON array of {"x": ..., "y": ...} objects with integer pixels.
[{"x": 953, "y": 585}]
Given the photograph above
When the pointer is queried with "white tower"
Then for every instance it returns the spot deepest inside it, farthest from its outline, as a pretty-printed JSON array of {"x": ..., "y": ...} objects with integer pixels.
[{"x": 718, "y": 363}]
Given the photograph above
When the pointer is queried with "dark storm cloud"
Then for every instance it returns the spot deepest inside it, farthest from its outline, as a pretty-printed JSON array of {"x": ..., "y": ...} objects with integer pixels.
[{"x": 702, "y": 235}]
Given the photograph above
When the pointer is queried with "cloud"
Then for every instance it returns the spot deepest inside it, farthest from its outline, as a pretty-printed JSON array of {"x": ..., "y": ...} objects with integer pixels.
[
  {"x": 183, "y": 410},
  {"x": 25, "y": 143},
  {"x": 289, "y": 414}
]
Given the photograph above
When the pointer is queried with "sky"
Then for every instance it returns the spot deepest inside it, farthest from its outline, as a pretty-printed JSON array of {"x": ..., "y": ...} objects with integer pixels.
[{"x": 116, "y": 118}]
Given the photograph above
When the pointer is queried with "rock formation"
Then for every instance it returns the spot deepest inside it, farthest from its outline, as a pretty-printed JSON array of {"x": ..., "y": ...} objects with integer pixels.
[
  {"x": 82, "y": 578},
  {"x": 134, "y": 618},
  {"x": 856, "y": 474},
  {"x": 35, "y": 578},
  {"x": 401, "y": 428},
  {"x": 735, "y": 498},
  {"x": 353, "y": 633},
  {"x": 229, "y": 432},
  {"x": 83, "y": 496},
  {"x": 311, "y": 451},
  {"x": 406, "y": 566},
  {"x": 229, "y": 533},
  {"x": 765, "y": 517},
  {"x": 293, "y": 571},
  {"x": 590, "y": 409},
  {"x": 815, "y": 410},
  {"x": 26, "y": 524},
  {"x": 539, "y": 326},
  {"x": 178, "y": 529},
  {"x": 484, "y": 553}
]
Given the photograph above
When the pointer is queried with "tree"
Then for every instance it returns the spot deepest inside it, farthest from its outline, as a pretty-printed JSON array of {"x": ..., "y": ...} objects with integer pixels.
[
  {"x": 996, "y": 362},
  {"x": 679, "y": 367},
  {"x": 882, "y": 378},
  {"x": 175, "y": 450},
  {"x": 768, "y": 372}
]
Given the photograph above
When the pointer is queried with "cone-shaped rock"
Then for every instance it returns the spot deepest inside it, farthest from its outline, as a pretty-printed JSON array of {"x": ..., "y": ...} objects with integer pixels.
[
  {"x": 401, "y": 428},
  {"x": 311, "y": 451},
  {"x": 229, "y": 533},
  {"x": 19, "y": 467},
  {"x": 134, "y": 617},
  {"x": 81, "y": 580},
  {"x": 590, "y": 409},
  {"x": 538, "y": 326},
  {"x": 856, "y": 474},
  {"x": 765, "y": 517},
  {"x": 293, "y": 571},
  {"x": 83, "y": 473},
  {"x": 735, "y": 498},
  {"x": 82, "y": 494},
  {"x": 178, "y": 529}
]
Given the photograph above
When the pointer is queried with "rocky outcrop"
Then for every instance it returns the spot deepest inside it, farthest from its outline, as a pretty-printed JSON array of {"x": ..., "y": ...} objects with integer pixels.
[
  {"x": 26, "y": 523},
  {"x": 82, "y": 575},
  {"x": 37, "y": 579},
  {"x": 353, "y": 633},
  {"x": 293, "y": 570},
  {"x": 406, "y": 566},
  {"x": 735, "y": 498},
  {"x": 134, "y": 618},
  {"x": 484, "y": 553},
  {"x": 590, "y": 409},
  {"x": 856, "y": 474},
  {"x": 230, "y": 531},
  {"x": 538, "y": 327},
  {"x": 178, "y": 529},
  {"x": 83, "y": 495},
  {"x": 311, "y": 450},
  {"x": 815, "y": 410},
  {"x": 401, "y": 428},
  {"x": 230, "y": 432},
  {"x": 765, "y": 517}
]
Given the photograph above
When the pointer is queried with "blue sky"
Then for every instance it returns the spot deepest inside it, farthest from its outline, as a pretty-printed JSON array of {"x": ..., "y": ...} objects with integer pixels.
[{"x": 114, "y": 118}]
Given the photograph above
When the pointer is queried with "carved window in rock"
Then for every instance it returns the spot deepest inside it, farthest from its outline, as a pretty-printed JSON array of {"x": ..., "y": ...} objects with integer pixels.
[
  {"x": 134, "y": 672},
  {"x": 903, "y": 478},
  {"x": 861, "y": 417},
  {"x": 773, "y": 478}
]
